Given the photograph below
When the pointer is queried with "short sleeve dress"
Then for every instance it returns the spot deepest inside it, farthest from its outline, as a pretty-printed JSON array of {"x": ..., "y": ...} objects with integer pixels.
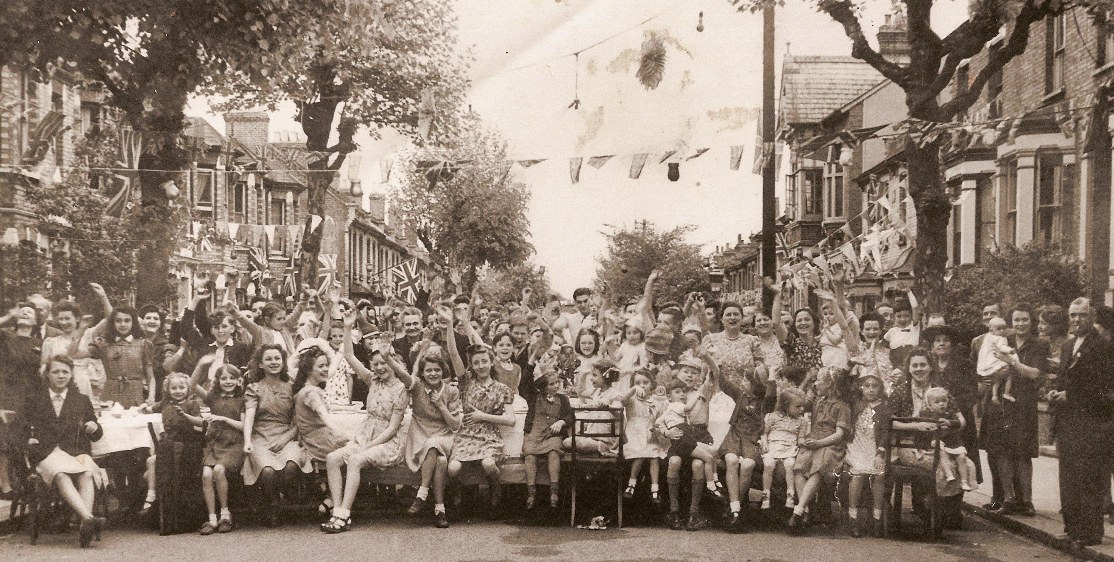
[
  {"x": 274, "y": 416},
  {"x": 316, "y": 437},
  {"x": 545, "y": 412},
  {"x": 481, "y": 440},
  {"x": 827, "y": 415},
  {"x": 224, "y": 444},
  {"x": 428, "y": 429},
  {"x": 338, "y": 387},
  {"x": 385, "y": 399},
  {"x": 801, "y": 354},
  {"x": 640, "y": 443},
  {"x": 735, "y": 357},
  {"x": 862, "y": 453}
]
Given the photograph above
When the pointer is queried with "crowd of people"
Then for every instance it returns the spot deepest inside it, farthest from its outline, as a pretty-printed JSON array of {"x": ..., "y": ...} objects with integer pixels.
[{"x": 246, "y": 393}]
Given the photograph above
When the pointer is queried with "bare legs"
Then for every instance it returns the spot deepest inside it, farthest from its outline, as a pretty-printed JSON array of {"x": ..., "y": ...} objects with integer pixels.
[{"x": 78, "y": 493}]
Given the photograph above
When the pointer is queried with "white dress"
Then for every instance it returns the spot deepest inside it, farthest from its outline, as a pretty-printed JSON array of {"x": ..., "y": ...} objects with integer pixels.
[{"x": 640, "y": 418}]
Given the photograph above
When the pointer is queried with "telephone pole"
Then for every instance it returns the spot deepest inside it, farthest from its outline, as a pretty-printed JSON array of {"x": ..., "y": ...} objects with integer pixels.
[{"x": 769, "y": 207}]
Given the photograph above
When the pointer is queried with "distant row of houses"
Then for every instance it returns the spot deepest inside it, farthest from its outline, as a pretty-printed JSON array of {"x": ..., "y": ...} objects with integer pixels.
[
  {"x": 245, "y": 191},
  {"x": 1034, "y": 163}
]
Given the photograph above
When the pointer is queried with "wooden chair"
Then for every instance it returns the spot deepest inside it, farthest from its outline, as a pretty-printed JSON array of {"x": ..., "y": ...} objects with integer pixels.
[
  {"x": 898, "y": 475},
  {"x": 598, "y": 423},
  {"x": 33, "y": 498}
]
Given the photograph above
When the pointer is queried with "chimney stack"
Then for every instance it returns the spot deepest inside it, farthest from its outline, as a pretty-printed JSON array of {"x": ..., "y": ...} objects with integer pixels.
[
  {"x": 249, "y": 127},
  {"x": 893, "y": 39}
]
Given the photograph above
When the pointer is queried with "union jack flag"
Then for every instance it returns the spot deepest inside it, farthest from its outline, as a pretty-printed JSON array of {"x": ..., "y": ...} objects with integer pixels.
[
  {"x": 290, "y": 276},
  {"x": 127, "y": 161},
  {"x": 50, "y": 126},
  {"x": 257, "y": 263},
  {"x": 782, "y": 243},
  {"x": 406, "y": 279},
  {"x": 326, "y": 271}
]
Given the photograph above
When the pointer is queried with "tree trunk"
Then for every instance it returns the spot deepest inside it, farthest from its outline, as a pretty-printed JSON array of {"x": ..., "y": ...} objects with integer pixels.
[
  {"x": 319, "y": 181},
  {"x": 926, "y": 186},
  {"x": 155, "y": 224}
]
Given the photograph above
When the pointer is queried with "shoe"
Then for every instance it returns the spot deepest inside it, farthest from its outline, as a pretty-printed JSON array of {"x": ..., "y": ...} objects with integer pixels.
[
  {"x": 441, "y": 520},
  {"x": 337, "y": 525},
  {"x": 628, "y": 494},
  {"x": 325, "y": 507},
  {"x": 146, "y": 509},
  {"x": 735, "y": 523},
  {"x": 554, "y": 500},
  {"x": 673, "y": 519},
  {"x": 696, "y": 522},
  {"x": 877, "y": 528},
  {"x": 717, "y": 493},
  {"x": 796, "y": 525},
  {"x": 790, "y": 501},
  {"x": 856, "y": 531},
  {"x": 530, "y": 502},
  {"x": 1007, "y": 508},
  {"x": 992, "y": 506},
  {"x": 416, "y": 507},
  {"x": 85, "y": 532},
  {"x": 99, "y": 523},
  {"x": 224, "y": 526},
  {"x": 655, "y": 497},
  {"x": 765, "y": 500},
  {"x": 1025, "y": 509},
  {"x": 207, "y": 529}
]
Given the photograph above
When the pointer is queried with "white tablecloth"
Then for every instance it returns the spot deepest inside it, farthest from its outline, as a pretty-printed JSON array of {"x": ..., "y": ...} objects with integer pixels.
[{"x": 126, "y": 433}]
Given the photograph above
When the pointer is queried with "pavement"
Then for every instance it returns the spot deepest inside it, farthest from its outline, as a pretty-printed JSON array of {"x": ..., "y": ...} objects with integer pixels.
[
  {"x": 1047, "y": 524},
  {"x": 394, "y": 537}
]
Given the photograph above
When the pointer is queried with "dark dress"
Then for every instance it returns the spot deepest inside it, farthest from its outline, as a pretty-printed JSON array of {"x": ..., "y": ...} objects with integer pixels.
[
  {"x": 224, "y": 445},
  {"x": 961, "y": 380},
  {"x": 745, "y": 427},
  {"x": 1009, "y": 429},
  {"x": 19, "y": 376},
  {"x": 178, "y": 468}
]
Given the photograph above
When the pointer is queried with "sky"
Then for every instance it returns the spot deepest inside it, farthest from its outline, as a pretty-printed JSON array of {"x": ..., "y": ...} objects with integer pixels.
[{"x": 525, "y": 77}]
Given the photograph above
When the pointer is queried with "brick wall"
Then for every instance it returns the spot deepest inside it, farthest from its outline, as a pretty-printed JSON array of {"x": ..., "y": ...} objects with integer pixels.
[{"x": 249, "y": 127}]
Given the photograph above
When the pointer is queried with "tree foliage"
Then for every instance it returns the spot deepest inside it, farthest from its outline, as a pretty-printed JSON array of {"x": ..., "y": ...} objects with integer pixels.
[
  {"x": 25, "y": 271},
  {"x": 371, "y": 58},
  {"x": 460, "y": 197},
  {"x": 632, "y": 253},
  {"x": 1009, "y": 277},
  {"x": 504, "y": 285}
]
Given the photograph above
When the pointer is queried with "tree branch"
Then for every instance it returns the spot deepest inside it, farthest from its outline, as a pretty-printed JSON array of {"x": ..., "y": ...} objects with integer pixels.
[
  {"x": 843, "y": 12},
  {"x": 1015, "y": 44}
]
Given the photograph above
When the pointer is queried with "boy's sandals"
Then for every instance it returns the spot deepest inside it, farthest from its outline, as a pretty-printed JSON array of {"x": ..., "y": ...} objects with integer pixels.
[
  {"x": 336, "y": 525},
  {"x": 628, "y": 494}
]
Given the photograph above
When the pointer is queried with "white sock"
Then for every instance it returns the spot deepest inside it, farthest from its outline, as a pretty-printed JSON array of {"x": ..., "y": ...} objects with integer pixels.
[
  {"x": 853, "y": 513},
  {"x": 225, "y": 513},
  {"x": 342, "y": 513},
  {"x": 711, "y": 485},
  {"x": 439, "y": 508},
  {"x": 151, "y": 496},
  {"x": 632, "y": 482},
  {"x": 736, "y": 507},
  {"x": 799, "y": 510},
  {"x": 653, "y": 487},
  {"x": 213, "y": 519},
  {"x": 878, "y": 514},
  {"x": 423, "y": 492}
]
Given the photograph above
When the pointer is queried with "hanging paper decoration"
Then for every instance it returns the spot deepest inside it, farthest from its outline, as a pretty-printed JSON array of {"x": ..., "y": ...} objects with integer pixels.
[
  {"x": 848, "y": 251},
  {"x": 269, "y": 230},
  {"x": 314, "y": 222},
  {"x": 668, "y": 154},
  {"x": 699, "y": 152},
  {"x": 326, "y": 271},
  {"x": 636, "y": 165},
  {"x": 845, "y": 230},
  {"x": 910, "y": 217},
  {"x": 651, "y": 65},
  {"x": 736, "y": 157},
  {"x": 528, "y": 163},
  {"x": 597, "y": 162},
  {"x": 385, "y": 166},
  {"x": 574, "y": 168}
]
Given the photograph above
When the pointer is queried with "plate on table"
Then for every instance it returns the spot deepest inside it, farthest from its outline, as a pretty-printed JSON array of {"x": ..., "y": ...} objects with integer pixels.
[{"x": 352, "y": 408}]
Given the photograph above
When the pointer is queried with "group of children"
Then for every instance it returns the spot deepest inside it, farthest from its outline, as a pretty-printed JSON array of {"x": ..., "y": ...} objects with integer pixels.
[{"x": 256, "y": 420}]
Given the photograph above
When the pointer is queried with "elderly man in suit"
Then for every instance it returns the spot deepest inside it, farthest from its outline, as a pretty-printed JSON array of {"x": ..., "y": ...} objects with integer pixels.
[{"x": 1084, "y": 397}]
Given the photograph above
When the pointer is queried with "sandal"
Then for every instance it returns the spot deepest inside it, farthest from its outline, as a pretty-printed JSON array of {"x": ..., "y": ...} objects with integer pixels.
[
  {"x": 337, "y": 525},
  {"x": 325, "y": 507},
  {"x": 655, "y": 497},
  {"x": 628, "y": 494},
  {"x": 554, "y": 500}
]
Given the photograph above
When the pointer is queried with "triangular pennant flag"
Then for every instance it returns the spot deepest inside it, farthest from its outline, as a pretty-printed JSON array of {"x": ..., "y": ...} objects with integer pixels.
[
  {"x": 822, "y": 263},
  {"x": 195, "y": 227},
  {"x": 528, "y": 163},
  {"x": 574, "y": 168},
  {"x": 314, "y": 222},
  {"x": 294, "y": 234},
  {"x": 270, "y": 230},
  {"x": 597, "y": 162},
  {"x": 847, "y": 233},
  {"x": 233, "y": 230},
  {"x": 736, "y": 156},
  {"x": 699, "y": 152},
  {"x": 636, "y": 165},
  {"x": 848, "y": 251},
  {"x": 668, "y": 154},
  {"x": 222, "y": 228}
]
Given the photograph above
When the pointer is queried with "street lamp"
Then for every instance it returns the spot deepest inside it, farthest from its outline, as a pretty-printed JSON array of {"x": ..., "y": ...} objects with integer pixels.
[{"x": 354, "y": 174}]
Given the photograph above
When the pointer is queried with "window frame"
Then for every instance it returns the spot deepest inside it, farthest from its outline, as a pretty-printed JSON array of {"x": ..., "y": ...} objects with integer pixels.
[
  {"x": 1054, "y": 54},
  {"x": 1009, "y": 201},
  {"x": 1052, "y": 173}
]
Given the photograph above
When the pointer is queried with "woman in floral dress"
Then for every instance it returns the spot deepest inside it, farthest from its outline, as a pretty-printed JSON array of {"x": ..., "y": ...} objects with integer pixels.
[
  {"x": 736, "y": 353},
  {"x": 487, "y": 405},
  {"x": 378, "y": 441},
  {"x": 273, "y": 454}
]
